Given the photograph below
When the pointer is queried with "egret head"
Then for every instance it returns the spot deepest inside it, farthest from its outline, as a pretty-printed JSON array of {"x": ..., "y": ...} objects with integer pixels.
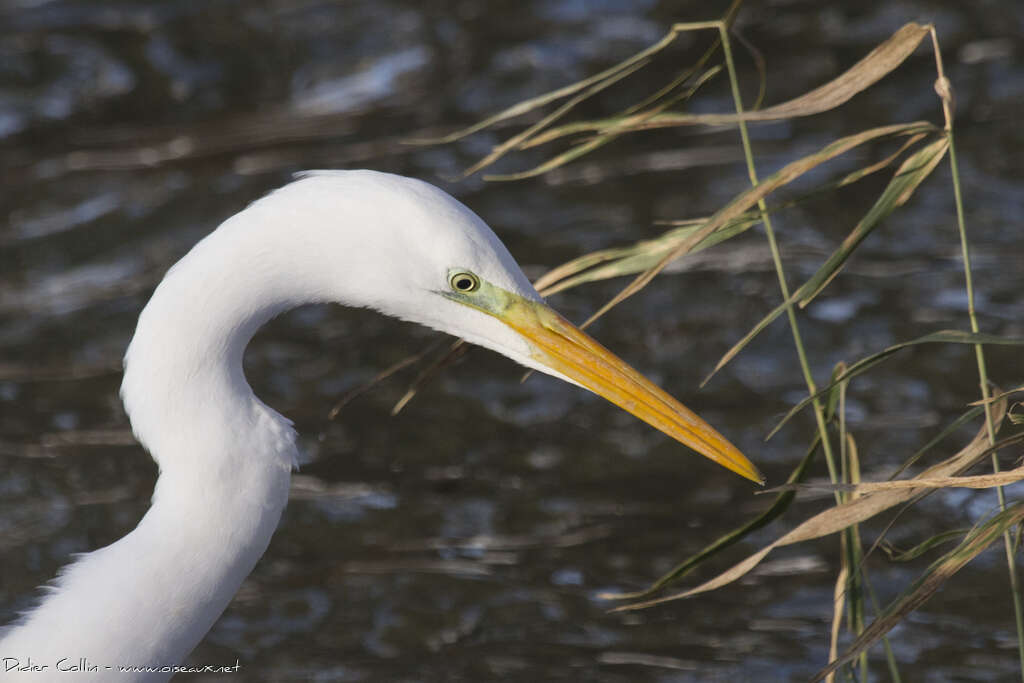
[{"x": 410, "y": 250}]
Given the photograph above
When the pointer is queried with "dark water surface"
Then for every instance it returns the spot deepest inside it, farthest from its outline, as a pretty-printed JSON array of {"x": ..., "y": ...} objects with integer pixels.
[{"x": 469, "y": 537}]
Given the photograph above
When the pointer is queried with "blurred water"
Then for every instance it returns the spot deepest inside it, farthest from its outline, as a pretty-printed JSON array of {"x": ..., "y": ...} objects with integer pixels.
[{"x": 469, "y": 538}]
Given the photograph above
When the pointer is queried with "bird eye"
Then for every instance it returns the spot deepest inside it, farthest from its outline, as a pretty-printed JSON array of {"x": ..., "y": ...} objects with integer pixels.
[{"x": 464, "y": 282}]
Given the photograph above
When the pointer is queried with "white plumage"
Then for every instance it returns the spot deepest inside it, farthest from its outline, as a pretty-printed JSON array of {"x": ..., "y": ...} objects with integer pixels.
[{"x": 359, "y": 238}]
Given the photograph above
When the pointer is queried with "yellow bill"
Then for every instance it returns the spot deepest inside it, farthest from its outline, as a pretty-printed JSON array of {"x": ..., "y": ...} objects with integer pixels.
[{"x": 569, "y": 350}]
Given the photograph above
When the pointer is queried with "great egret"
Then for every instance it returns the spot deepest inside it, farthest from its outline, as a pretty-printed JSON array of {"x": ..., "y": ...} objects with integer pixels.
[{"x": 359, "y": 238}]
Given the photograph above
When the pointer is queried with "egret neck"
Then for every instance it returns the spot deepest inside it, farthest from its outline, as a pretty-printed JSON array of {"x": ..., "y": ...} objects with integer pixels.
[{"x": 358, "y": 238}]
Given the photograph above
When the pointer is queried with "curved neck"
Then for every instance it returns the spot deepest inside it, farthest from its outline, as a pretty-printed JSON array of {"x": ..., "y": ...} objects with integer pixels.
[
  {"x": 184, "y": 388},
  {"x": 224, "y": 460}
]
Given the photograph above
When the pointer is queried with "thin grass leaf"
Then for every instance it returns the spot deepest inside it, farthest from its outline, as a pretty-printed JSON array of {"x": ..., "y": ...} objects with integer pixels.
[
  {"x": 778, "y": 507},
  {"x": 612, "y": 126},
  {"x": 837, "y": 518},
  {"x": 560, "y": 160},
  {"x": 642, "y": 255},
  {"x": 683, "y": 77},
  {"x": 457, "y": 349},
  {"x": 878, "y": 165},
  {"x": 746, "y": 339},
  {"x": 865, "y": 364},
  {"x": 908, "y": 177},
  {"x": 760, "y": 65},
  {"x": 921, "y": 548},
  {"x": 980, "y": 538}
]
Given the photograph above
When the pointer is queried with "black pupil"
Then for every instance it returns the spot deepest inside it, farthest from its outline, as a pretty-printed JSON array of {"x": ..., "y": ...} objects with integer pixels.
[{"x": 464, "y": 283}]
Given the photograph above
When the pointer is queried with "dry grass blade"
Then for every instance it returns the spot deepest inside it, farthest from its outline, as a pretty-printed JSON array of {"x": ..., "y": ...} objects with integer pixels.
[
  {"x": 838, "y": 605},
  {"x": 840, "y": 517},
  {"x": 873, "y": 67},
  {"x": 908, "y": 177},
  {"x": 981, "y": 481},
  {"x": 977, "y": 541},
  {"x": 457, "y": 349},
  {"x": 516, "y": 140},
  {"x": 865, "y": 364}
]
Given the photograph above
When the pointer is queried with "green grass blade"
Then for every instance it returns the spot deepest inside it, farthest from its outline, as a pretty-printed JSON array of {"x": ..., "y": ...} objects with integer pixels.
[
  {"x": 865, "y": 364},
  {"x": 908, "y": 177}
]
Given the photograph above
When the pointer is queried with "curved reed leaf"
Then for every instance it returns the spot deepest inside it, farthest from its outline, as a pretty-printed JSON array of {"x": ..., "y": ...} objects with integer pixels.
[
  {"x": 873, "y": 67},
  {"x": 921, "y": 548}
]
